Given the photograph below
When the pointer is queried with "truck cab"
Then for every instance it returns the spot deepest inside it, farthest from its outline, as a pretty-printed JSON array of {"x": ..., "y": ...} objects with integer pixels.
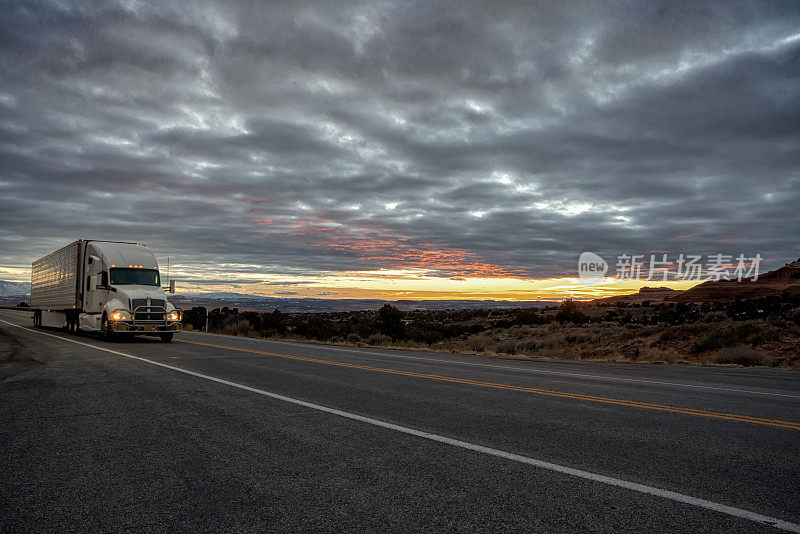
[{"x": 122, "y": 292}]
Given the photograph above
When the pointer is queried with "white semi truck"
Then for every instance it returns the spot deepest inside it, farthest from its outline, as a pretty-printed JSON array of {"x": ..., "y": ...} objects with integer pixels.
[{"x": 108, "y": 287}]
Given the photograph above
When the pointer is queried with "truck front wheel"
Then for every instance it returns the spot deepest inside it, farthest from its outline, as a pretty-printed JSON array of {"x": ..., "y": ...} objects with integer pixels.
[{"x": 105, "y": 327}]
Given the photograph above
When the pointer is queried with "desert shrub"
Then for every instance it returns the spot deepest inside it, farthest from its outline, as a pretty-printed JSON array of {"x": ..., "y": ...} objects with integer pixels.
[
  {"x": 635, "y": 331},
  {"x": 241, "y": 328},
  {"x": 390, "y": 321},
  {"x": 752, "y": 333},
  {"x": 450, "y": 345},
  {"x": 714, "y": 339},
  {"x": 196, "y": 316},
  {"x": 517, "y": 332},
  {"x": 680, "y": 333},
  {"x": 741, "y": 355},
  {"x": 378, "y": 339},
  {"x": 573, "y": 338},
  {"x": 254, "y": 318},
  {"x": 530, "y": 316},
  {"x": 715, "y": 316},
  {"x": 757, "y": 332},
  {"x": 353, "y": 338},
  {"x": 555, "y": 340},
  {"x": 794, "y": 316},
  {"x": 704, "y": 343},
  {"x": 316, "y": 327},
  {"x": 568, "y": 312},
  {"x": 507, "y": 346},
  {"x": 479, "y": 342},
  {"x": 657, "y": 355},
  {"x": 530, "y": 345}
]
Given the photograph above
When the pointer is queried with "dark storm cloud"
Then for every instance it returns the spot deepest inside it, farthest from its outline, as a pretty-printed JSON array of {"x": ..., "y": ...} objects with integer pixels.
[{"x": 304, "y": 139}]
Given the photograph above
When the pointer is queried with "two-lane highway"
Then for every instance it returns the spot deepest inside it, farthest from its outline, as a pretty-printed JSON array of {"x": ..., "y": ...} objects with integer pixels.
[{"x": 223, "y": 433}]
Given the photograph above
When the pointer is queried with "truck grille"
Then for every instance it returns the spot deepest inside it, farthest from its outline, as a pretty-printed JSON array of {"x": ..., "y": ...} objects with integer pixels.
[
  {"x": 154, "y": 303},
  {"x": 142, "y": 312},
  {"x": 149, "y": 316}
]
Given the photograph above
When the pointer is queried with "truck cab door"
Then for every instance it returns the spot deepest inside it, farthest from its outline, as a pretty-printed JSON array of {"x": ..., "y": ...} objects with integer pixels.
[{"x": 94, "y": 297}]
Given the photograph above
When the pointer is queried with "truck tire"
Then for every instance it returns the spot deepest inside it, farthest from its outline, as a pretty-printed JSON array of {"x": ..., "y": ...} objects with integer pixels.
[
  {"x": 106, "y": 331},
  {"x": 167, "y": 338}
]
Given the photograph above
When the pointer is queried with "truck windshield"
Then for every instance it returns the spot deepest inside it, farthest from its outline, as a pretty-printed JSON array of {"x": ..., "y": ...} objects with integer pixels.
[{"x": 140, "y": 277}]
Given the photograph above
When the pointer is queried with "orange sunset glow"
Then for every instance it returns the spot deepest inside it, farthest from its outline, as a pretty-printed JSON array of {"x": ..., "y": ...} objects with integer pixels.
[{"x": 419, "y": 284}]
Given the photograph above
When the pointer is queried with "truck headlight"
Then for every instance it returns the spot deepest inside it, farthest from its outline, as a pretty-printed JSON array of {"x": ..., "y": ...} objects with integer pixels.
[
  {"x": 174, "y": 315},
  {"x": 120, "y": 315}
]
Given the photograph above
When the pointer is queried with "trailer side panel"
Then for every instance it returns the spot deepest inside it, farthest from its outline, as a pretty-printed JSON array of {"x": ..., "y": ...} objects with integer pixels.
[{"x": 55, "y": 279}]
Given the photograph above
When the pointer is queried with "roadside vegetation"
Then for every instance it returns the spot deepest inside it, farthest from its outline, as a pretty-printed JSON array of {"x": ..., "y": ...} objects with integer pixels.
[{"x": 759, "y": 332}]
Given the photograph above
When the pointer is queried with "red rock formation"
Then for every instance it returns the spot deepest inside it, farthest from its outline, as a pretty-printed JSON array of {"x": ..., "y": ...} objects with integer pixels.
[{"x": 783, "y": 281}]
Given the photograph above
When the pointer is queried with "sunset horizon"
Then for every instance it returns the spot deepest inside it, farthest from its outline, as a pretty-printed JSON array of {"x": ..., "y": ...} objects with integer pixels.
[{"x": 391, "y": 284}]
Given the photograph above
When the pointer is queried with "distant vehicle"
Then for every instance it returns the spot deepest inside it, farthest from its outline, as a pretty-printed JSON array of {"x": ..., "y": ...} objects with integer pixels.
[{"x": 102, "y": 286}]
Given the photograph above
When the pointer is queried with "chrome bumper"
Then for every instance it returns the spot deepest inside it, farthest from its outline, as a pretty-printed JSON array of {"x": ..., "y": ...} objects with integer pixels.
[{"x": 139, "y": 327}]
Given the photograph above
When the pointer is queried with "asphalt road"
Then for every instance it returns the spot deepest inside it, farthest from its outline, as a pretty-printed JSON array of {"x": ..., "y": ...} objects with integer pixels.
[{"x": 216, "y": 433}]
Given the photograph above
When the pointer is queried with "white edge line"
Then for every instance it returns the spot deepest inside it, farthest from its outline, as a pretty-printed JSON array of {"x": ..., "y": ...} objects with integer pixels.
[
  {"x": 587, "y": 475},
  {"x": 533, "y": 371}
]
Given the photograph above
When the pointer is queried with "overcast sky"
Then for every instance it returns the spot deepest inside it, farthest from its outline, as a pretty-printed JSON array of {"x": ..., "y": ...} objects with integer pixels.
[{"x": 455, "y": 138}]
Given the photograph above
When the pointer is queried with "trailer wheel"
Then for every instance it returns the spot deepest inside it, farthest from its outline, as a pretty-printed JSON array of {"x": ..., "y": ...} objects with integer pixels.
[{"x": 167, "y": 338}]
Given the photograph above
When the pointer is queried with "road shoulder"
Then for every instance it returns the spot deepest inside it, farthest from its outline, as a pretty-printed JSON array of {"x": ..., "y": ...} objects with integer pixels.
[{"x": 15, "y": 358}]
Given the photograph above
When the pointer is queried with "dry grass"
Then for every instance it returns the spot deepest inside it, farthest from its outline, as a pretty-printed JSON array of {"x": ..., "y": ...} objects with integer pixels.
[
  {"x": 741, "y": 355},
  {"x": 757, "y": 342},
  {"x": 480, "y": 343},
  {"x": 241, "y": 328},
  {"x": 378, "y": 340}
]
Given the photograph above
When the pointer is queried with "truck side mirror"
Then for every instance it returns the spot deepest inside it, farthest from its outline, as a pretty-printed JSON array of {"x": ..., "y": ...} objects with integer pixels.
[
  {"x": 172, "y": 286},
  {"x": 104, "y": 279}
]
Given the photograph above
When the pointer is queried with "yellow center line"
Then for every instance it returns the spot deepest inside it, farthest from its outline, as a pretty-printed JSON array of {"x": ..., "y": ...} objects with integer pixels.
[{"x": 537, "y": 391}]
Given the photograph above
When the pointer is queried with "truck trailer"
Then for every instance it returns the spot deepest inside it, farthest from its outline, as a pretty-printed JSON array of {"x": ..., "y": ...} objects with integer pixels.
[{"x": 109, "y": 287}]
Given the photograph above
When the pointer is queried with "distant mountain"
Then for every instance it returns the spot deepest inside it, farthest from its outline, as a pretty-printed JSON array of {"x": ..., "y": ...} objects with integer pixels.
[
  {"x": 8, "y": 289},
  {"x": 780, "y": 282},
  {"x": 259, "y": 303},
  {"x": 244, "y": 301},
  {"x": 645, "y": 294},
  {"x": 222, "y": 295}
]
